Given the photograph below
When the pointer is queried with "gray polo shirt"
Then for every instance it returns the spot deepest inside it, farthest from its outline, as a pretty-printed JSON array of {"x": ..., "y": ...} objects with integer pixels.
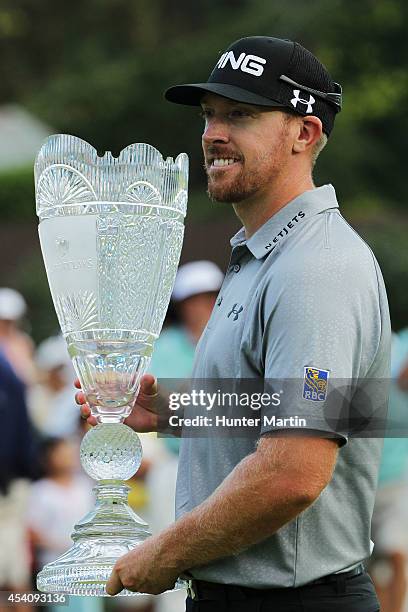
[{"x": 303, "y": 299}]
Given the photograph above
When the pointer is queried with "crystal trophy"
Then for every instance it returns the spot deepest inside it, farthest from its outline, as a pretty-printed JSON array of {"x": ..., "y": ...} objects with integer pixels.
[{"x": 111, "y": 232}]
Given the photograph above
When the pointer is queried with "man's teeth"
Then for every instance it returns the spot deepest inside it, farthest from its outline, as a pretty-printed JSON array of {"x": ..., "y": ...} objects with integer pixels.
[{"x": 223, "y": 162}]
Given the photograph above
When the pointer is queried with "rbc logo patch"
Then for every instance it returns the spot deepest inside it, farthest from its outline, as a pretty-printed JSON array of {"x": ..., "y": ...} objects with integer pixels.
[{"x": 315, "y": 384}]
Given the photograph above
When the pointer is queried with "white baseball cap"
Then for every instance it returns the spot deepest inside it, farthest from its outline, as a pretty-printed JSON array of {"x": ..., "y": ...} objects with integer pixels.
[
  {"x": 197, "y": 277},
  {"x": 52, "y": 353},
  {"x": 12, "y": 304}
]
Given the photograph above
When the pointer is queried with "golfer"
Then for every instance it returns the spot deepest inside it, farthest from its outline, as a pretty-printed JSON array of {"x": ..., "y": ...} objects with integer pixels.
[{"x": 281, "y": 523}]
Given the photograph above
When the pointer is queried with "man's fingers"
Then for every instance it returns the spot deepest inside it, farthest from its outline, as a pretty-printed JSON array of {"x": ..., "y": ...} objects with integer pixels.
[
  {"x": 80, "y": 398},
  {"x": 147, "y": 393},
  {"x": 85, "y": 411},
  {"x": 114, "y": 584},
  {"x": 86, "y": 414},
  {"x": 142, "y": 420},
  {"x": 148, "y": 385},
  {"x": 91, "y": 420}
]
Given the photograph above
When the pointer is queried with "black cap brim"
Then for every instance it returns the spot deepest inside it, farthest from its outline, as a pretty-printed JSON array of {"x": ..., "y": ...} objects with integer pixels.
[{"x": 191, "y": 95}]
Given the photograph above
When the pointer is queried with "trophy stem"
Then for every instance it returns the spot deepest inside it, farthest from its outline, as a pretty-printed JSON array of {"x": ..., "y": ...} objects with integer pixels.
[
  {"x": 112, "y": 516},
  {"x": 110, "y": 453}
]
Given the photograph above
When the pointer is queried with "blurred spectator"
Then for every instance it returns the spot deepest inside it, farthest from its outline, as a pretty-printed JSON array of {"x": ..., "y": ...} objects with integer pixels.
[
  {"x": 17, "y": 465},
  {"x": 51, "y": 404},
  {"x": 390, "y": 518},
  {"x": 57, "y": 501},
  {"x": 195, "y": 291},
  {"x": 161, "y": 482},
  {"x": 16, "y": 345}
]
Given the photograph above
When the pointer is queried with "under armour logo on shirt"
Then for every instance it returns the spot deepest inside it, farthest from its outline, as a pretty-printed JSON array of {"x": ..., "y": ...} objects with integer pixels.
[
  {"x": 235, "y": 312},
  {"x": 297, "y": 98}
]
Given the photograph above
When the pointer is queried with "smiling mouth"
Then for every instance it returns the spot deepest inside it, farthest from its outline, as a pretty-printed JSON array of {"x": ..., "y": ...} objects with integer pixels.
[{"x": 222, "y": 162}]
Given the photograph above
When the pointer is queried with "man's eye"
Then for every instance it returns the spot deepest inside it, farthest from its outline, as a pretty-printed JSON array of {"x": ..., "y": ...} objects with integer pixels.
[
  {"x": 237, "y": 114},
  {"x": 204, "y": 113}
]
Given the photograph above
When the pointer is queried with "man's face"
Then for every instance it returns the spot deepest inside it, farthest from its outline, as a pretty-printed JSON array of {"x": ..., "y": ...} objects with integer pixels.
[{"x": 245, "y": 148}]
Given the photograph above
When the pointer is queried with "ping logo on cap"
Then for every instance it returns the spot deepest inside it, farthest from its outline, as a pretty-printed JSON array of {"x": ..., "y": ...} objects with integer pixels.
[{"x": 252, "y": 64}]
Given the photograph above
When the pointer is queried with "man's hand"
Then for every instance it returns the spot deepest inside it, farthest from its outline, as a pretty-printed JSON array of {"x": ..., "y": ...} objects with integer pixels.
[
  {"x": 145, "y": 414},
  {"x": 144, "y": 569},
  {"x": 403, "y": 378}
]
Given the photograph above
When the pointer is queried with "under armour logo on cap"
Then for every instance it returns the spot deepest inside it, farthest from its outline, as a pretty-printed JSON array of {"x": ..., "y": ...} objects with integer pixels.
[{"x": 309, "y": 103}]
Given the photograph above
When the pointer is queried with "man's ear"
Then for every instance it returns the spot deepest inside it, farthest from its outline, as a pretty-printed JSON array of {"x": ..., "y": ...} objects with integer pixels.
[{"x": 309, "y": 132}]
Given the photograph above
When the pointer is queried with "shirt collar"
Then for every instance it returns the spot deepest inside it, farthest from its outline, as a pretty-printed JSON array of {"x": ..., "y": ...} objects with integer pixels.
[{"x": 286, "y": 220}]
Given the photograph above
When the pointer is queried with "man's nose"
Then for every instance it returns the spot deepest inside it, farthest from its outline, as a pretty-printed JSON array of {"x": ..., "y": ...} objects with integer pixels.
[{"x": 215, "y": 131}]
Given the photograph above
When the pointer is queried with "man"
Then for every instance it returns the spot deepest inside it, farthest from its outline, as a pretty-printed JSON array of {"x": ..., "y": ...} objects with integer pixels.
[
  {"x": 53, "y": 388},
  {"x": 16, "y": 345},
  {"x": 283, "y": 524},
  {"x": 391, "y": 504},
  {"x": 18, "y": 463}
]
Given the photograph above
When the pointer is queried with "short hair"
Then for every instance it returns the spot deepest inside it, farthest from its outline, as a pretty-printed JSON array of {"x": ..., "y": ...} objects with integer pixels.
[{"x": 318, "y": 148}]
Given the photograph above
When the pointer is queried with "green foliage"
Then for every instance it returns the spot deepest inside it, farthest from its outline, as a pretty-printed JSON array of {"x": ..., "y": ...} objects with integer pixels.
[
  {"x": 98, "y": 69},
  {"x": 103, "y": 80},
  {"x": 388, "y": 239},
  {"x": 17, "y": 194},
  {"x": 31, "y": 280}
]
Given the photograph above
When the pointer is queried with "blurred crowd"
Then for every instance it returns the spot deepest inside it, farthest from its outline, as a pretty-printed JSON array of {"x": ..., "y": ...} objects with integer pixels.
[{"x": 44, "y": 491}]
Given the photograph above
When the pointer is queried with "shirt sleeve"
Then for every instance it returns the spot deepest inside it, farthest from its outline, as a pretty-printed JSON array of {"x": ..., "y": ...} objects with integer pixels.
[{"x": 322, "y": 329}]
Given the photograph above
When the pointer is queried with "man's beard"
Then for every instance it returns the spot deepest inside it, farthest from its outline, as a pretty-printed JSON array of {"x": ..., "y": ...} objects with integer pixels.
[
  {"x": 234, "y": 191},
  {"x": 246, "y": 183}
]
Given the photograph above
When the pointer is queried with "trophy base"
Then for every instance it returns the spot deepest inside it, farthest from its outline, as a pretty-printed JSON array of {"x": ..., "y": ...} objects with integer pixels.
[
  {"x": 85, "y": 578},
  {"x": 107, "y": 533}
]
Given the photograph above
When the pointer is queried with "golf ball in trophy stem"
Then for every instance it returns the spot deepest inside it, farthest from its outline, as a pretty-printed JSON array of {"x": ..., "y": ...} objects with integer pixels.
[{"x": 111, "y": 451}]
